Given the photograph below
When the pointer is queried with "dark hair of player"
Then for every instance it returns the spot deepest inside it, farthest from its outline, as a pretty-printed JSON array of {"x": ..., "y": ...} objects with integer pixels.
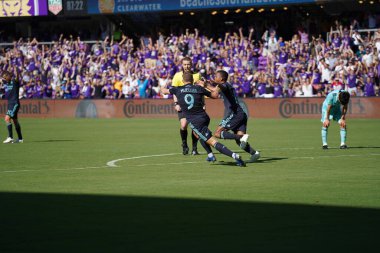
[
  {"x": 186, "y": 59},
  {"x": 223, "y": 74},
  {"x": 6, "y": 74},
  {"x": 188, "y": 77},
  {"x": 344, "y": 97}
]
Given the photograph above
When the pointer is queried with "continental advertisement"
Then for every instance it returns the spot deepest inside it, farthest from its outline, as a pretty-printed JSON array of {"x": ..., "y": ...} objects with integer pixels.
[{"x": 292, "y": 108}]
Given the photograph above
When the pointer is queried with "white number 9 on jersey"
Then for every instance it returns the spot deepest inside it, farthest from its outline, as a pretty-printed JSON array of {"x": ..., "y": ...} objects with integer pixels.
[{"x": 189, "y": 100}]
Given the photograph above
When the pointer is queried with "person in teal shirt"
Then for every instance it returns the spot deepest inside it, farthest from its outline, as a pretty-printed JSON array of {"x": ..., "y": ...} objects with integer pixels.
[
  {"x": 335, "y": 108},
  {"x": 142, "y": 84}
]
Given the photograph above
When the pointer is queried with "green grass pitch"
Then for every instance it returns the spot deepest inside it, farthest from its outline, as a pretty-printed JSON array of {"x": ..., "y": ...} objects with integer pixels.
[{"x": 58, "y": 195}]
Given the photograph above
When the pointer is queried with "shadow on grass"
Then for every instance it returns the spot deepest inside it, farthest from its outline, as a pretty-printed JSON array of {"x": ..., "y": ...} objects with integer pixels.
[
  {"x": 362, "y": 147},
  {"x": 99, "y": 223},
  {"x": 270, "y": 159},
  {"x": 261, "y": 160},
  {"x": 55, "y": 141},
  {"x": 358, "y": 147}
]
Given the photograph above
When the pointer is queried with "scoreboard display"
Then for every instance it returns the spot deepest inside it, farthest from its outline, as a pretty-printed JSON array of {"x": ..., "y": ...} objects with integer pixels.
[{"x": 75, "y": 7}]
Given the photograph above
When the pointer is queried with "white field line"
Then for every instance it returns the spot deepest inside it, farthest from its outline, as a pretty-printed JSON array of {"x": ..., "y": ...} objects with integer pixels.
[
  {"x": 304, "y": 148},
  {"x": 335, "y": 156},
  {"x": 164, "y": 164},
  {"x": 84, "y": 168},
  {"x": 112, "y": 164}
]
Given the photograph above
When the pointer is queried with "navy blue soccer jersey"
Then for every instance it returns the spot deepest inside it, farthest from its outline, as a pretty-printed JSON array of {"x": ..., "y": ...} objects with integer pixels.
[
  {"x": 190, "y": 98},
  {"x": 12, "y": 91},
  {"x": 230, "y": 99}
]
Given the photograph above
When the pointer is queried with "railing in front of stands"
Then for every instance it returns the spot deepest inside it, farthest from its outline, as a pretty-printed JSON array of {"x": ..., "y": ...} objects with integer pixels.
[{"x": 360, "y": 31}]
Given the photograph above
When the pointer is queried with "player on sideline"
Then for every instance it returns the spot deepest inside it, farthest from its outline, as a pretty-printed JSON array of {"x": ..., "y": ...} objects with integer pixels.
[
  {"x": 331, "y": 109},
  {"x": 177, "y": 82},
  {"x": 12, "y": 86},
  {"x": 236, "y": 119},
  {"x": 190, "y": 98}
]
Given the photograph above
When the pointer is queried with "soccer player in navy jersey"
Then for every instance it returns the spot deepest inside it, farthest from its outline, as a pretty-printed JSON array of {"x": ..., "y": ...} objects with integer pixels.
[
  {"x": 234, "y": 125},
  {"x": 190, "y": 98},
  {"x": 177, "y": 82},
  {"x": 12, "y": 86}
]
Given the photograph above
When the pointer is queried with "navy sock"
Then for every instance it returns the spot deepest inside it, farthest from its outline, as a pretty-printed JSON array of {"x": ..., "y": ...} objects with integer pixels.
[
  {"x": 229, "y": 136},
  {"x": 10, "y": 132},
  {"x": 223, "y": 149},
  {"x": 18, "y": 130},
  {"x": 183, "y": 136},
  {"x": 248, "y": 148},
  {"x": 194, "y": 140},
  {"x": 206, "y": 146}
]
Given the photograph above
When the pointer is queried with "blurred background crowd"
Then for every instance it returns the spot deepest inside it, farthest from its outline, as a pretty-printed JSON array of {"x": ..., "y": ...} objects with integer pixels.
[{"x": 262, "y": 63}]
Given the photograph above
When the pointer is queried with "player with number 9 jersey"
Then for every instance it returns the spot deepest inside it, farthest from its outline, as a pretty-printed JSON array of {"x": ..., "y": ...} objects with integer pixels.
[{"x": 190, "y": 98}]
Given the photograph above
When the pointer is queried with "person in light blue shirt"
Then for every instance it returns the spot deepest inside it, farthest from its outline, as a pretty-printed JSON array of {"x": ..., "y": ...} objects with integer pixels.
[
  {"x": 335, "y": 108},
  {"x": 142, "y": 84}
]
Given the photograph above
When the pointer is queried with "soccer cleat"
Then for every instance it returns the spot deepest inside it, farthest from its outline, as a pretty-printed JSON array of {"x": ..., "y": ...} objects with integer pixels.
[
  {"x": 18, "y": 141},
  {"x": 239, "y": 161},
  {"x": 211, "y": 159},
  {"x": 195, "y": 151},
  {"x": 185, "y": 149},
  {"x": 244, "y": 141},
  {"x": 255, "y": 157},
  {"x": 8, "y": 140},
  {"x": 344, "y": 146},
  {"x": 325, "y": 147}
]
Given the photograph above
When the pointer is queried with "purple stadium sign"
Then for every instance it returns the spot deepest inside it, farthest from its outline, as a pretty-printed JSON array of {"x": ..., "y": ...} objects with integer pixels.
[{"x": 22, "y": 8}]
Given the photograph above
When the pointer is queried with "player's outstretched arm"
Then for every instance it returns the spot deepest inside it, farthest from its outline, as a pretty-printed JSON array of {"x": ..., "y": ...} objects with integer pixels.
[
  {"x": 16, "y": 74},
  {"x": 176, "y": 105},
  {"x": 214, "y": 91},
  {"x": 175, "y": 83},
  {"x": 207, "y": 85},
  {"x": 164, "y": 90}
]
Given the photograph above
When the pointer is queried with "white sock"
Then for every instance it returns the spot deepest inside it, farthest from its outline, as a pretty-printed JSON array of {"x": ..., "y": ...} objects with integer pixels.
[{"x": 210, "y": 155}]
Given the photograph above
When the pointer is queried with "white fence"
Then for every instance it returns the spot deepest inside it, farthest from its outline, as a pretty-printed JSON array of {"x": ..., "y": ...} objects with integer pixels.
[{"x": 360, "y": 31}]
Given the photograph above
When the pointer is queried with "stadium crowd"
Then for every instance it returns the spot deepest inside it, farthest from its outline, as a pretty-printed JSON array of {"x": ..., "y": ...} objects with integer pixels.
[{"x": 259, "y": 66}]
